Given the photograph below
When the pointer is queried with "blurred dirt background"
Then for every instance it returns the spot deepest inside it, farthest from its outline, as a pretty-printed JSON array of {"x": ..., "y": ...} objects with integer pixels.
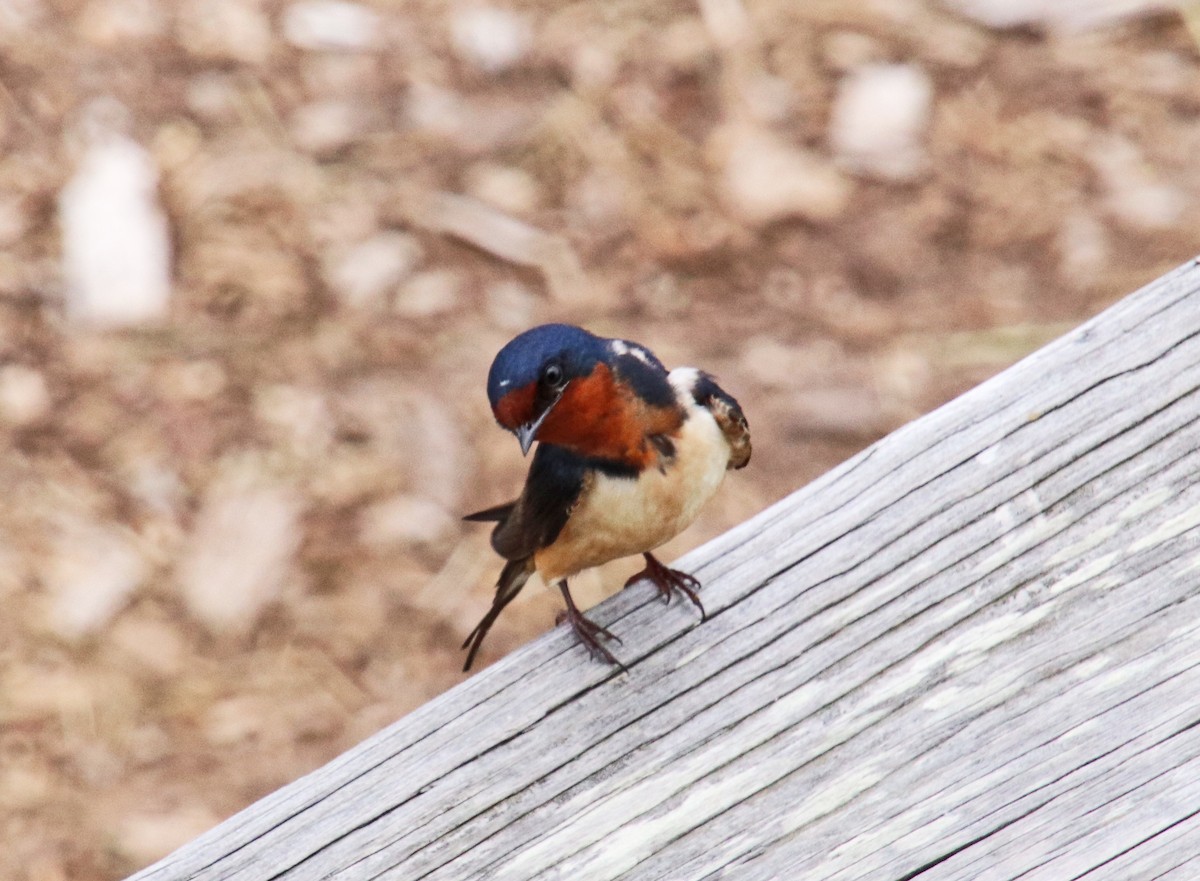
[{"x": 230, "y": 540}]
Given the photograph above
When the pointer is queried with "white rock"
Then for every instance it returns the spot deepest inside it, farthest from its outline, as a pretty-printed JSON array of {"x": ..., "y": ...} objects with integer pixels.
[
  {"x": 1083, "y": 248},
  {"x": 24, "y": 398},
  {"x": 331, "y": 25},
  {"x": 299, "y": 416},
  {"x": 768, "y": 179},
  {"x": 109, "y": 22},
  {"x": 157, "y": 486},
  {"x": 511, "y": 305},
  {"x": 594, "y": 68},
  {"x": 240, "y": 552},
  {"x": 429, "y": 293},
  {"x": 405, "y": 520},
  {"x": 512, "y": 190},
  {"x": 880, "y": 117},
  {"x": 225, "y": 30},
  {"x": 686, "y": 45},
  {"x": 116, "y": 246},
  {"x": 14, "y": 220},
  {"x": 143, "y": 838},
  {"x": 599, "y": 202},
  {"x": 1136, "y": 196},
  {"x": 198, "y": 381},
  {"x": 19, "y": 17},
  {"x": 93, "y": 572},
  {"x": 1065, "y": 16},
  {"x": 213, "y": 96},
  {"x": 435, "y": 109},
  {"x": 444, "y": 477},
  {"x": 728, "y": 22},
  {"x": 768, "y": 98},
  {"x": 372, "y": 404},
  {"x": 364, "y": 275},
  {"x": 491, "y": 39},
  {"x": 324, "y": 128}
]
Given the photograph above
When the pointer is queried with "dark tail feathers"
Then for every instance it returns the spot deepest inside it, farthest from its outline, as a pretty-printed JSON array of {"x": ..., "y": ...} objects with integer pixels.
[
  {"x": 497, "y": 514},
  {"x": 512, "y": 579}
]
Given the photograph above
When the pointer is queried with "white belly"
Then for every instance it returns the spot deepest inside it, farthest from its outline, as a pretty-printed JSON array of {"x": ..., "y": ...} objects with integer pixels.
[{"x": 618, "y": 517}]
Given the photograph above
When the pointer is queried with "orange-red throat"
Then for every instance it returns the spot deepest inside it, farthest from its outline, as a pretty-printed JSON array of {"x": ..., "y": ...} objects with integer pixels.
[
  {"x": 597, "y": 417},
  {"x": 516, "y": 408}
]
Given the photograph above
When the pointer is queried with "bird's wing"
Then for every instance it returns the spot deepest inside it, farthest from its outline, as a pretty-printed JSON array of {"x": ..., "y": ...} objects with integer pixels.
[
  {"x": 645, "y": 375},
  {"x": 729, "y": 416},
  {"x": 556, "y": 479}
]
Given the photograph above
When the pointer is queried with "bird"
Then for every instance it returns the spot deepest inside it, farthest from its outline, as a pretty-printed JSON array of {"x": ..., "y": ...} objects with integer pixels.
[{"x": 627, "y": 454}]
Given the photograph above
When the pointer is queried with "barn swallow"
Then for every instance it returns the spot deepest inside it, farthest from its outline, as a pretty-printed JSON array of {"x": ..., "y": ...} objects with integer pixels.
[{"x": 627, "y": 453}]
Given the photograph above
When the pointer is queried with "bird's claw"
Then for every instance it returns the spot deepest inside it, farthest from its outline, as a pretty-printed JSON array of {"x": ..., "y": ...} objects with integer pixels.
[
  {"x": 668, "y": 580},
  {"x": 590, "y": 634}
]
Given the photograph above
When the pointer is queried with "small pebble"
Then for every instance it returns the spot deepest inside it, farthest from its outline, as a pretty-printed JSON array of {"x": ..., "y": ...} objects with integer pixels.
[
  {"x": 492, "y": 39},
  {"x": 326, "y": 128},
  {"x": 366, "y": 274},
  {"x": 240, "y": 552},
  {"x": 767, "y": 179},
  {"x": 14, "y": 220},
  {"x": 112, "y": 22},
  {"x": 406, "y": 520},
  {"x": 297, "y": 416},
  {"x": 880, "y": 117},
  {"x": 511, "y": 305},
  {"x": 1137, "y": 196},
  {"x": 93, "y": 572},
  {"x": 198, "y": 381},
  {"x": 1063, "y": 16},
  {"x": 510, "y": 189},
  {"x": 144, "y": 838},
  {"x": 24, "y": 398},
  {"x": 331, "y": 25},
  {"x": 225, "y": 30},
  {"x": 428, "y": 293},
  {"x": 116, "y": 244},
  {"x": 1083, "y": 248},
  {"x": 213, "y": 96}
]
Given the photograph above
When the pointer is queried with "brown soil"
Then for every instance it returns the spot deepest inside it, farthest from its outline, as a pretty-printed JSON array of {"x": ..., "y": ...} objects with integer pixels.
[{"x": 126, "y": 731}]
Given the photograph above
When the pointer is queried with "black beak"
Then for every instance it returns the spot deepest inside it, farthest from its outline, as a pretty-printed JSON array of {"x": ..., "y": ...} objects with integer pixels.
[{"x": 527, "y": 433}]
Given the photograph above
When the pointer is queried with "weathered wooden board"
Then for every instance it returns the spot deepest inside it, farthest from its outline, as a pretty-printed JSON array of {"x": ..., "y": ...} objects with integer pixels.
[{"x": 971, "y": 652}]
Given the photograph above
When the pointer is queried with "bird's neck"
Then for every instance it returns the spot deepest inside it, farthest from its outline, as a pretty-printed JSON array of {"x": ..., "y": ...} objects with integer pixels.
[{"x": 600, "y": 419}]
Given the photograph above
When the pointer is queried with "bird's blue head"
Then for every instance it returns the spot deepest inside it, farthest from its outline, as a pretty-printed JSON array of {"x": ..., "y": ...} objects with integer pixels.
[{"x": 530, "y": 374}]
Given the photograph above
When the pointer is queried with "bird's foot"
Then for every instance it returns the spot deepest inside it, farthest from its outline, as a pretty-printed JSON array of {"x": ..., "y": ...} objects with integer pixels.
[
  {"x": 587, "y": 631},
  {"x": 668, "y": 580}
]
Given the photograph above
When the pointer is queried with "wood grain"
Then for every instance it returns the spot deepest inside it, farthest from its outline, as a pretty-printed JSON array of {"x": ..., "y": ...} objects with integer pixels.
[{"x": 970, "y": 652}]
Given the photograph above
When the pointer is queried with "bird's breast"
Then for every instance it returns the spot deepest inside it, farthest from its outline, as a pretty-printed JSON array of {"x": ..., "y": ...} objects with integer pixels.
[{"x": 619, "y": 516}]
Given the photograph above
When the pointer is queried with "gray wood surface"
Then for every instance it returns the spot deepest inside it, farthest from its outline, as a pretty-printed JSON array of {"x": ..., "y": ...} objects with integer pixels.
[{"x": 970, "y": 652}]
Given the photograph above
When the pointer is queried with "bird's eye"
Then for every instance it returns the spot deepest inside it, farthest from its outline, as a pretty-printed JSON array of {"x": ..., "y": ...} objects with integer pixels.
[{"x": 553, "y": 376}]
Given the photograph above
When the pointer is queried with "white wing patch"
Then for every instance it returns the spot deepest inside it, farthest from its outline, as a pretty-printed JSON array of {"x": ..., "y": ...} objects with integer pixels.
[
  {"x": 620, "y": 347},
  {"x": 683, "y": 380}
]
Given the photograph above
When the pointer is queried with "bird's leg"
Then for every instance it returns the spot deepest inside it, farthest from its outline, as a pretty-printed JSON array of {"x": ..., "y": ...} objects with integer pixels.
[
  {"x": 668, "y": 580},
  {"x": 589, "y": 632}
]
